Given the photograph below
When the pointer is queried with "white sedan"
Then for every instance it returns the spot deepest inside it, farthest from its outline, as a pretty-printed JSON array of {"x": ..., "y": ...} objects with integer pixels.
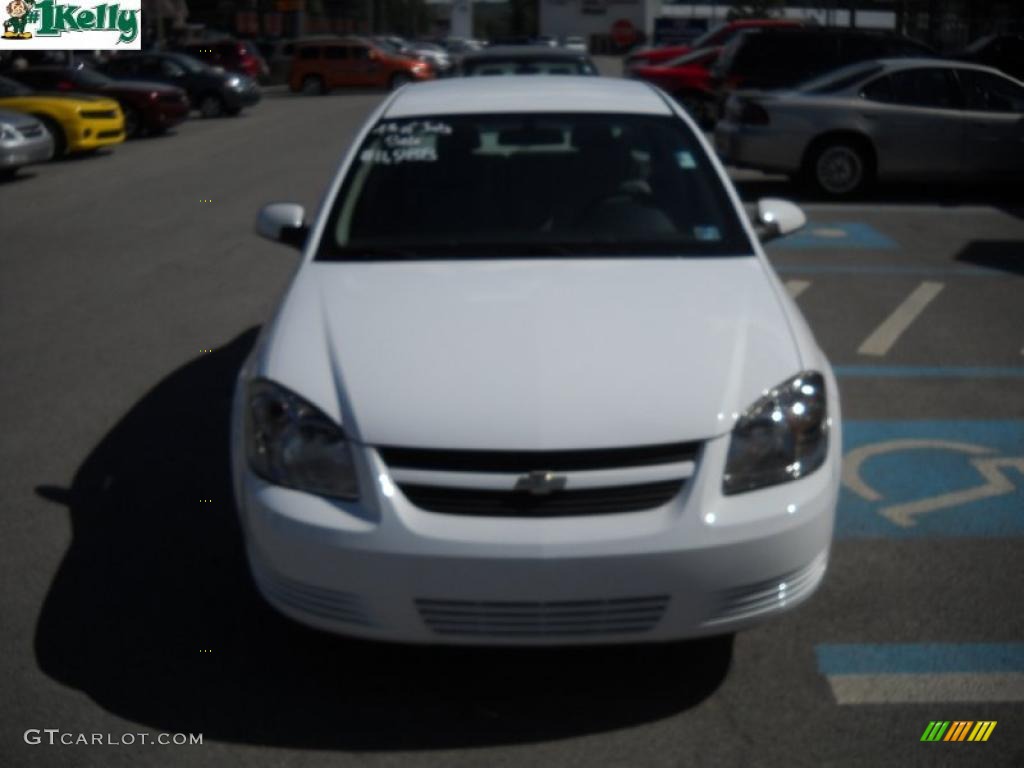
[{"x": 534, "y": 382}]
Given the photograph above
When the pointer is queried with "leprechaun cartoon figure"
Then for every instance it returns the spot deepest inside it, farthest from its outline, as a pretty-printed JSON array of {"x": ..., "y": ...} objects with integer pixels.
[{"x": 14, "y": 27}]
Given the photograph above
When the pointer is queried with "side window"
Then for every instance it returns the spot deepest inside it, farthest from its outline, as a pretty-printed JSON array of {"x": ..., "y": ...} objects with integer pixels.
[
  {"x": 309, "y": 52},
  {"x": 879, "y": 89},
  {"x": 986, "y": 92},
  {"x": 335, "y": 52},
  {"x": 359, "y": 53},
  {"x": 930, "y": 87}
]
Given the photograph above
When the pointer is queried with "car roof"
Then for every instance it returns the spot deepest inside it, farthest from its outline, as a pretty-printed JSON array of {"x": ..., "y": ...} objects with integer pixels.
[
  {"x": 527, "y": 93},
  {"x": 517, "y": 52}
]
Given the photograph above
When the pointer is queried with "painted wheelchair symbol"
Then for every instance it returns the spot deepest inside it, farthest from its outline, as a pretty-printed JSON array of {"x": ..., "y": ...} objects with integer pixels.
[{"x": 990, "y": 468}]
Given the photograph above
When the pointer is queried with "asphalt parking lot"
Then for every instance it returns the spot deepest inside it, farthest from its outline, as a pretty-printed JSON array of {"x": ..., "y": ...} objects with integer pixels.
[{"x": 131, "y": 287}]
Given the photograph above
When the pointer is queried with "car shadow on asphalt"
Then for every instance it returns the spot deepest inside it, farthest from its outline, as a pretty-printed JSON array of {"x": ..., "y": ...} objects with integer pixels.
[
  {"x": 153, "y": 615},
  {"x": 1004, "y": 255}
]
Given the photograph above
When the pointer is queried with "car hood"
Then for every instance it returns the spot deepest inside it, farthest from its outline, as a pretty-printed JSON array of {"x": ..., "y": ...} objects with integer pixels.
[
  {"x": 140, "y": 86},
  {"x": 532, "y": 355}
]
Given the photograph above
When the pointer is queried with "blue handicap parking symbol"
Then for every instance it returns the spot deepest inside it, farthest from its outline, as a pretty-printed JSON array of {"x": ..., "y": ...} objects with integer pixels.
[
  {"x": 932, "y": 478},
  {"x": 836, "y": 235}
]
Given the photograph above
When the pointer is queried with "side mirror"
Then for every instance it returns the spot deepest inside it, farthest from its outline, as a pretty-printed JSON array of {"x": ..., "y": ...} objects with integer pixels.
[
  {"x": 283, "y": 223},
  {"x": 776, "y": 218}
]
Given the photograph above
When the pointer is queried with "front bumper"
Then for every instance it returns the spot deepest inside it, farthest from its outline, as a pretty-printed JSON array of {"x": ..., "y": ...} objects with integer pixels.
[
  {"x": 93, "y": 133},
  {"x": 25, "y": 151},
  {"x": 763, "y": 149},
  {"x": 381, "y": 568},
  {"x": 245, "y": 97}
]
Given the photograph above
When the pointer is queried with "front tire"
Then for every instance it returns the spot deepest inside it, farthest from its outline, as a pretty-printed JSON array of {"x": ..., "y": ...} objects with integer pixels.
[
  {"x": 211, "y": 105},
  {"x": 132, "y": 122},
  {"x": 312, "y": 85},
  {"x": 839, "y": 168},
  {"x": 60, "y": 141}
]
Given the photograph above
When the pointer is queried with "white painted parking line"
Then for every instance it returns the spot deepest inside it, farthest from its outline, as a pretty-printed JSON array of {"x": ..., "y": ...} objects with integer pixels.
[
  {"x": 910, "y": 688},
  {"x": 795, "y": 287},
  {"x": 888, "y": 333}
]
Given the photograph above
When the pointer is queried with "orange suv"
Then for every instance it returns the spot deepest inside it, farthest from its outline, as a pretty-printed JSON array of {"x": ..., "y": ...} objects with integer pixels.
[{"x": 319, "y": 65}]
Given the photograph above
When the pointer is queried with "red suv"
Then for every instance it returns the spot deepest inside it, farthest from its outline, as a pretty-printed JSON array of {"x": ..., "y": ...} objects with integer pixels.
[
  {"x": 716, "y": 37},
  {"x": 688, "y": 79},
  {"x": 237, "y": 56}
]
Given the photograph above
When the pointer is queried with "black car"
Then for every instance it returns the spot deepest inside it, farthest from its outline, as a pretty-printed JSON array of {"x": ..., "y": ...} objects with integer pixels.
[
  {"x": 212, "y": 91},
  {"x": 526, "y": 60},
  {"x": 1002, "y": 52},
  {"x": 767, "y": 59}
]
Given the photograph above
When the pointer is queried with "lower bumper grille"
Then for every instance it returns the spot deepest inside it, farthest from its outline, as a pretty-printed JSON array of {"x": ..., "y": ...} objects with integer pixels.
[
  {"x": 590, "y": 501},
  {"x": 753, "y": 599},
  {"x": 326, "y": 603},
  {"x": 629, "y": 615}
]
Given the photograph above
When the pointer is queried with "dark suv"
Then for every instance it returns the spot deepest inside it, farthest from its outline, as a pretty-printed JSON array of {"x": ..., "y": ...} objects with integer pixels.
[
  {"x": 768, "y": 59},
  {"x": 212, "y": 91}
]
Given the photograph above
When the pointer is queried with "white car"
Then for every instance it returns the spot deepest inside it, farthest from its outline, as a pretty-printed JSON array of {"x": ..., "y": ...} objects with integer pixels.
[{"x": 534, "y": 382}]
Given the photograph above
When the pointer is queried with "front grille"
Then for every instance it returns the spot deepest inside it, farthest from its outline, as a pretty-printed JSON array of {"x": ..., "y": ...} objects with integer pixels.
[
  {"x": 30, "y": 131},
  {"x": 589, "y": 501},
  {"x": 626, "y": 615},
  {"x": 528, "y": 461},
  {"x": 99, "y": 114}
]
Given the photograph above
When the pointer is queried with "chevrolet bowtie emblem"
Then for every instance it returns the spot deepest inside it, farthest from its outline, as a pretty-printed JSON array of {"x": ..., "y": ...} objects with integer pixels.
[{"x": 541, "y": 483}]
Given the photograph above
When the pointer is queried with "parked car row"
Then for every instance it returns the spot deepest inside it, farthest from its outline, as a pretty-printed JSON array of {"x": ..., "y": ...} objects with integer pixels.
[
  {"x": 322, "y": 64},
  {"x": 64, "y": 108}
]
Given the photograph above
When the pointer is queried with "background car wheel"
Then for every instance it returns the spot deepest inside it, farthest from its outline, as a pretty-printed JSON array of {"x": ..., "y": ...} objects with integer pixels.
[
  {"x": 60, "y": 142},
  {"x": 313, "y": 85},
  {"x": 233, "y": 111},
  {"x": 839, "y": 167},
  {"x": 132, "y": 122},
  {"x": 211, "y": 105},
  {"x": 398, "y": 80}
]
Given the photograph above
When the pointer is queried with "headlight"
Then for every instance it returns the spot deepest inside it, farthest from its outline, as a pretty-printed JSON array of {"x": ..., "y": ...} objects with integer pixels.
[
  {"x": 292, "y": 443},
  {"x": 781, "y": 437},
  {"x": 234, "y": 82},
  {"x": 7, "y": 132}
]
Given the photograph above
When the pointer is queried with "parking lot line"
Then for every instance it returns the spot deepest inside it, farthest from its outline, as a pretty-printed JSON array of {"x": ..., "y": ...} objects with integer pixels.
[
  {"x": 886, "y": 270},
  {"x": 923, "y": 672},
  {"x": 795, "y": 287},
  {"x": 888, "y": 333}
]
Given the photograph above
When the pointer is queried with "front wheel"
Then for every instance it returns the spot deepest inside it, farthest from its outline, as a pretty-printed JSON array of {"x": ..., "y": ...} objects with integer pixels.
[
  {"x": 839, "y": 168},
  {"x": 313, "y": 85},
  {"x": 211, "y": 105},
  {"x": 132, "y": 122}
]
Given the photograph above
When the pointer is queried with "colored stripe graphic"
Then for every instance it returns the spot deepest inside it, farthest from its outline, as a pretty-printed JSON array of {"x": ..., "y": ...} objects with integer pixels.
[{"x": 935, "y": 730}]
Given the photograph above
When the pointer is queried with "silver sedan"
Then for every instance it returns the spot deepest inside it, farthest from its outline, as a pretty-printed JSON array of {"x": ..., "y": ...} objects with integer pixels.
[
  {"x": 23, "y": 140},
  {"x": 894, "y": 119}
]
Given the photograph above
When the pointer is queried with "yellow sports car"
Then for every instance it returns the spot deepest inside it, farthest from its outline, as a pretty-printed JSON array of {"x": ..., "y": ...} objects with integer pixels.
[{"x": 78, "y": 122}]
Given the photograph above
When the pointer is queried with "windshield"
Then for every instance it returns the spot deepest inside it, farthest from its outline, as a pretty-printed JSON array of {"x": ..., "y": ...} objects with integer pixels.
[
  {"x": 90, "y": 78},
  {"x": 11, "y": 88},
  {"x": 710, "y": 37},
  {"x": 838, "y": 79},
  {"x": 486, "y": 186},
  {"x": 703, "y": 56},
  {"x": 190, "y": 63}
]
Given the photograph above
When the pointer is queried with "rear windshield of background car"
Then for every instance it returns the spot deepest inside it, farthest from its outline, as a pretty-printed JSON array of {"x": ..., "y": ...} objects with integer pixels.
[{"x": 528, "y": 185}]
